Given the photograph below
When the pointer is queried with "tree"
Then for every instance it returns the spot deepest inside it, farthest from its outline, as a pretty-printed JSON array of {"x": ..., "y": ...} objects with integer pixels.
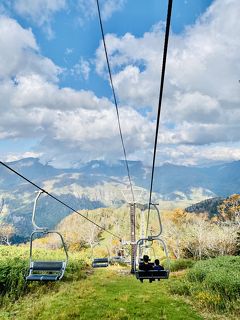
[
  {"x": 195, "y": 235},
  {"x": 6, "y": 230},
  {"x": 229, "y": 210},
  {"x": 175, "y": 231},
  {"x": 78, "y": 232}
]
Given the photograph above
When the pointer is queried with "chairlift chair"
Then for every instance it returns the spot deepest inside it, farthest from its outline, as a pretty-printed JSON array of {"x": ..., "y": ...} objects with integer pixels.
[
  {"x": 151, "y": 275},
  {"x": 101, "y": 262},
  {"x": 45, "y": 270}
]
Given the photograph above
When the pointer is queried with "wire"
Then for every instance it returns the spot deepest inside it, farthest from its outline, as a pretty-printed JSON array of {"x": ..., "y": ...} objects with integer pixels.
[
  {"x": 164, "y": 60},
  {"x": 115, "y": 102},
  {"x": 58, "y": 200}
]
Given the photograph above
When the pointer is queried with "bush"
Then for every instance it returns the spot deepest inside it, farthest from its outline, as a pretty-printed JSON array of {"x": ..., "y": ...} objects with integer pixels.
[
  {"x": 179, "y": 264},
  {"x": 14, "y": 263},
  {"x": 180, "y": 287},
  {"x": 75, "y": 270},
  {"x": 12, "y": 276},
  {"x": 213, "y": 283}
]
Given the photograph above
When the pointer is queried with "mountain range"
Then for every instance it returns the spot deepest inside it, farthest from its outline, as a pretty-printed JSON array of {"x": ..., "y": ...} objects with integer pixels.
[{"x": 100, "y": 184}]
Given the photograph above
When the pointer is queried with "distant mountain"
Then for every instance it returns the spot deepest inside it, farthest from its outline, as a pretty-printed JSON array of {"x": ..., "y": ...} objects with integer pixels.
[{"x": 99, "y": 184}]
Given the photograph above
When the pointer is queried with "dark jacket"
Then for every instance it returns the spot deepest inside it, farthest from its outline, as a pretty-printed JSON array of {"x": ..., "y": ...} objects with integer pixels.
[
  {"x": 145, "y": 266},
  {"x": 158, "y": 267}
]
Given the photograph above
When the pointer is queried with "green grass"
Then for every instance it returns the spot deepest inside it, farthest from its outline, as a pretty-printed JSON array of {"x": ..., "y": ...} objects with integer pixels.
[
  {"x": 14, "y": 263},
  {"x": 213, "y": 284},
  {"x": 107, "y": 294}
]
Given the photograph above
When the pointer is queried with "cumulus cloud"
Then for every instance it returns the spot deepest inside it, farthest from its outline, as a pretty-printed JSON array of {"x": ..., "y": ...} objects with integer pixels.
[
  {"x": 39, "y": 12},
  {"x": 68, "y": 123},
  {"x": 93, "y": 134},
  {"x": 202, "y": 94},
  {"x": 19, "y": 54},
  {"x": 200, "y": 115}
]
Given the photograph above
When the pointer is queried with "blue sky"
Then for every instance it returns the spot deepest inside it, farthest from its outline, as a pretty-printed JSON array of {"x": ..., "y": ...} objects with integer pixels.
[
  {"x": 56, "y": 99},
  {"x": 81, "y": 40}
]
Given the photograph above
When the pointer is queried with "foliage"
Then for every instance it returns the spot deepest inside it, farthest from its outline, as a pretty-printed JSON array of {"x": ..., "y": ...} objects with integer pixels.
[
  {"x": 179, "y": 264},
  {"x": 213, "y": 283},
  {"x": 12, "y": 273},
  {"x": 191, "y": 235},
  {"x": 80, "y": 233},
  {"x": 229, "y": 210},
  {"x": 14, "y": 266},
  {"x": 6, "y": 230},
  {"x": 180, "y": 287}
]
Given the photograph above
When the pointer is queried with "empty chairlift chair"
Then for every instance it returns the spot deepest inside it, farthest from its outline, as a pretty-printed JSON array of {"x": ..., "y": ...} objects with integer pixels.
[
  {"x": 100, "y": 262},
  {"x": 45, "y": 270}
]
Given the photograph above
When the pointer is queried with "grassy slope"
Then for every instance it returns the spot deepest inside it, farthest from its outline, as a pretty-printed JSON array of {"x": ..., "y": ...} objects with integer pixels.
[{"x": 107, "y": 294}]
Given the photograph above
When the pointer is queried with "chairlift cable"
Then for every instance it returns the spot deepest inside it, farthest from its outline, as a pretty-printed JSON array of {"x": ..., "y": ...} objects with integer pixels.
[
  {"x": 164, "y": 60},
  {"x": 58, "y": 200},
  {"x": 115, "y": 101}
]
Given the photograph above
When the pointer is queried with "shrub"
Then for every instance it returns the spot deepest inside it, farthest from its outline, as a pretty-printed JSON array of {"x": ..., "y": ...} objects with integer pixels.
[
  {"x": 14, "y": 263},
  {"x": 210, "y": 300},
  {"x": 179, "y": 264},
  {"x": 12, "y": 277},
  {"x": 180, "y": 287},
  {"x": 213, "y": 283}
]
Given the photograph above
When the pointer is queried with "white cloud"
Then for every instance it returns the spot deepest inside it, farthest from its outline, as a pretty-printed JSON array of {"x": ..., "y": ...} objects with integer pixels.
[
  {"x": 93, "y": 134},
  {"x": 70, "y": 124},
  {"x": 139, "y": 60},
  {"x": 40, "y": 12},
  {"x": 199, "y": 155},
  {"x": 200, "y": 118},
  {"x": 17, "y": 156},
  {"x": 82, "y": 69},
  {"x": 88, "y": 8},
  {"x": 202, "y": 93},
  {"x": 110, "y": 6},
  {"x": 19, "y": 54},
  {"x": 69, "y": 51}
]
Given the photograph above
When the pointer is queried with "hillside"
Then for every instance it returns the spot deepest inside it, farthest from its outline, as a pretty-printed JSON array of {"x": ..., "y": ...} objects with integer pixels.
[
  {"x": 106, "y": 294},
  {"x": 206, "y": 206},
  {"x": 98, "y": 184},
  {"x": 204, "y": 289}
]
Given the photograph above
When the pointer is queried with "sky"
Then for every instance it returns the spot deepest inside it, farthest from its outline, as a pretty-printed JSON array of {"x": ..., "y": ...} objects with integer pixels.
[{"x": 56, "y": 102}]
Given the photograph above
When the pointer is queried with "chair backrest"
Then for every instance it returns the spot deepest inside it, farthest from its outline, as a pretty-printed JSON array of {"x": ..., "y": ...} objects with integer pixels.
[
  {"x": 100, "y": 260},
  {"x": 48, "y": 266}
]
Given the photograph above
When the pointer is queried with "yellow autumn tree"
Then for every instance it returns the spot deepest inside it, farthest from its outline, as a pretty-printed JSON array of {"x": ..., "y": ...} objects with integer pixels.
[{"x": 229, "y": 210}]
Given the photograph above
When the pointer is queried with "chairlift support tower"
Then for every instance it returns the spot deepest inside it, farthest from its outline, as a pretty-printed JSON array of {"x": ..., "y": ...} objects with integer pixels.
[
  {"x": 133, "y": 234},
  {"x": 133, "y": 205}
]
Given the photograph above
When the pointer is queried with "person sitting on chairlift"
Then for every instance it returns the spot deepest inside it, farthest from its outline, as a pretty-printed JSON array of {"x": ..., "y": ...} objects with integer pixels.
[
  {"x": 145, "y": 265},
  {"x": 157, "y": 265}
]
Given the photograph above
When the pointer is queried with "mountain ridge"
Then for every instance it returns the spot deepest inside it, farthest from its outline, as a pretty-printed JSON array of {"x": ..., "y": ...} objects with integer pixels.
[{"x": 99, "y": 184}]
